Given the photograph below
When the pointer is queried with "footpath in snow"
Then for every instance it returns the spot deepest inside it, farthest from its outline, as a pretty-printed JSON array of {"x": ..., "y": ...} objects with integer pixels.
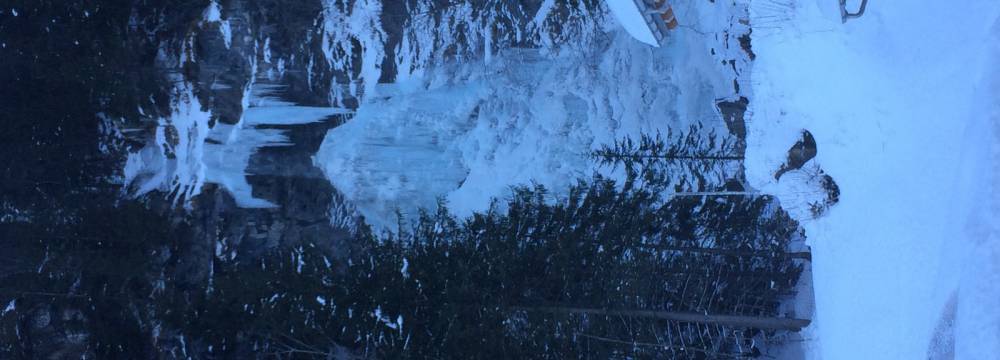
[{"x": 903, "y": 106}]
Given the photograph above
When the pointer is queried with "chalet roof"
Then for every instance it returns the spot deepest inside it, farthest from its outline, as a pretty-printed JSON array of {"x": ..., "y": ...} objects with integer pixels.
[{"x": 646, "y": 20}]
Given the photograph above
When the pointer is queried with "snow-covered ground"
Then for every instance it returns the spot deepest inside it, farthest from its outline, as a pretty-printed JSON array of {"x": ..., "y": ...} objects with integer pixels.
[{"x": 903, "y": 105}]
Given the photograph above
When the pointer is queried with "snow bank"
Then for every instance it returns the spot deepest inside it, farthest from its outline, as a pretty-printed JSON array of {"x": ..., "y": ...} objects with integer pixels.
[
  {"x": 905, "y": 124},
  {"x": 977, "y": 332}
]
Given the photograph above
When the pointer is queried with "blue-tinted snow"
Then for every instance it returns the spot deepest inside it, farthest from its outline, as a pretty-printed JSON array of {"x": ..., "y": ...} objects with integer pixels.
[
  {"x": 903, "y": 105},
  {"x": 466, "y": 132}
]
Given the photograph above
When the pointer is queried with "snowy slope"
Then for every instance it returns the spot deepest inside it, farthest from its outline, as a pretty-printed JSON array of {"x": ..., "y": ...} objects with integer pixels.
[
  {"x": 902, "y": 103},
  {"x": 515, "y": 117}
]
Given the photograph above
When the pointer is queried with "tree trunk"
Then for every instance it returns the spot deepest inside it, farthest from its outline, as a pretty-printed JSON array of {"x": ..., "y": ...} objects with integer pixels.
[
  {"x": 678, "y": 157},
  {"x": 794, "y": 255},
  {"x": 771, "y": 323},
  {"x": 715, "y": 193}
]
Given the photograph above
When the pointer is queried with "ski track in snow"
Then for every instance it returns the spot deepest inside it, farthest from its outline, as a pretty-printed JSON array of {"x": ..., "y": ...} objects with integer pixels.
[{"x": 902, "y": 102}]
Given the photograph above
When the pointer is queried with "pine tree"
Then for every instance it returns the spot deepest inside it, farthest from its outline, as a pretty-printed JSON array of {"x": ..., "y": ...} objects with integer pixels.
[
  {"x": 684, "y": 160},
  {"x": 603, "y": 272}
]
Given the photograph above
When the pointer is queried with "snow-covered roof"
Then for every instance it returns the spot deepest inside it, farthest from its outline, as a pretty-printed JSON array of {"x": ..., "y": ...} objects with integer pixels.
[{"x": 630, "y": 15}]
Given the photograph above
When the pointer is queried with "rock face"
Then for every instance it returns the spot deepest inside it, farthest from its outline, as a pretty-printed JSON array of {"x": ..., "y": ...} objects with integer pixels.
[
  {"x": 800, "y": 153},
  {"x": 226, "y": 52},
  {"x": 733, "y": 113}
]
